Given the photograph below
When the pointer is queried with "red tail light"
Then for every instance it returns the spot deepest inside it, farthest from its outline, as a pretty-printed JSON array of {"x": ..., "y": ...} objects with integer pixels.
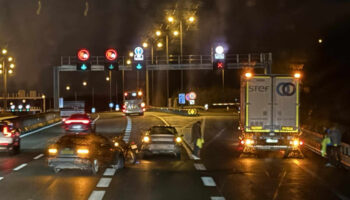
[
  {"x": 77, "y": 121},
  {"x": 6, "y": 132}
]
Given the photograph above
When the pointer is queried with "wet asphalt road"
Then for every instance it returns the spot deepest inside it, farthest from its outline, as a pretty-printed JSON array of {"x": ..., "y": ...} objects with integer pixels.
[{"x": 220, "y": 174}]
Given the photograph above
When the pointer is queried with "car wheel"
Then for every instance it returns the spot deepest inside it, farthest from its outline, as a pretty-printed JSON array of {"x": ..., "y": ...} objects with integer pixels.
[
  {"x": 56, "y": 170},
  {"x": 94, "y": 166},
  {"x": 119, "y": 161}
]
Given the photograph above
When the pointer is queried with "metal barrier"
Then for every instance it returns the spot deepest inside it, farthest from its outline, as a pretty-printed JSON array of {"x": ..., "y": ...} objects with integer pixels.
[{"x": 184, "y": 112}]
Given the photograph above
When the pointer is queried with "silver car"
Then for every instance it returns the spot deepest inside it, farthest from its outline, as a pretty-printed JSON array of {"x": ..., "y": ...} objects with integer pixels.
[{"x": 161, "y": 140}]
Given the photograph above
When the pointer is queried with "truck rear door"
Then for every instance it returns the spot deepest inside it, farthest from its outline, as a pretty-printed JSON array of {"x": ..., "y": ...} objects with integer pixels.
[
  {"x": 286, "y": 104},
  {"x": 258, "y": 104}
]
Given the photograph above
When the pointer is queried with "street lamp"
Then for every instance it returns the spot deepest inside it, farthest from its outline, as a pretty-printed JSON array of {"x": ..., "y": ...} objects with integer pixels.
[
  {"x": 10, "y": 71},
  {"x": 10, "y": 59},
  {"x": 158, "y": 33},
  {"x": 4, "y": 51},
  {"x": 84, "y": 83},
  {"x": 176, "y": 33},
  {"x": 131, "y": 54},
  {"x": 191, "y": 19},
  {"x": 107, "y": 78},
  {"x": 67, "y": 87},
  {"x": 171, "y": 19},
  {"x": 12, "y": 65},
  {"x": 128, "y": 62},
  {"x": 159, "y": 44},
  {"x": 145, "y": 45},
  {"x": 6, "y": 68}
]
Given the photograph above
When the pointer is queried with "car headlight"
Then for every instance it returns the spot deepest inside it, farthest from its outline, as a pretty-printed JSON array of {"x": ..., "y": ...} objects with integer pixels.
[
  {"x": 178, "y": 139},
  {"x": 116, "y": 144},
  {"x": 52, "y": 151},
  {"x": 83, "y": 151},
  {"x": 146, "y": 139}
]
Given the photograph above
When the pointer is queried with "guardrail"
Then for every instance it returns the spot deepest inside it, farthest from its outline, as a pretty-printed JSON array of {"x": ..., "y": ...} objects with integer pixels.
[
  {"x": 313, "y": 142},
  {"x": 178, "y": 111}
]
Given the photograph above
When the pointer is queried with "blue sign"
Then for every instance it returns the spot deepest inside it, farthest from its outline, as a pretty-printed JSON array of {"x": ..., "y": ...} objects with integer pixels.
[
  {"x": 60, "y": 102},
  {"x": 117, "y": 107},
  {"x": 182, "y": 98},
  {"x": 138, "y": 53},
  {"x": 111, "y": 105},
  {"x": 83, "y": 67},
  {"x": 93, "y": 110}
]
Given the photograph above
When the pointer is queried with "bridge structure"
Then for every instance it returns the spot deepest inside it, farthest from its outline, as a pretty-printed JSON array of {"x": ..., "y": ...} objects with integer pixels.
[{"x": 165, "y": 63}]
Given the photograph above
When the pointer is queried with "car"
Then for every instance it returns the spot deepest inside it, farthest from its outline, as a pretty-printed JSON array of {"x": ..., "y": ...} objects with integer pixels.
[
  {"x": 9, "y": 138},
  {"x": 161, "y": 140},
  {"x": 79, "y": 123},
  {"x": 84, "y": 151}
]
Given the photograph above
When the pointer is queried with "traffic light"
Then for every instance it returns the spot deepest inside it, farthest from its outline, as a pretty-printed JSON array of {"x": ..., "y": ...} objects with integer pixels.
[
  {"x": 111, "y": 62},
  {"x": 83, "y": 63},
  {"x": 139, "y": 66},
  {"x": 219, "y": 65}
]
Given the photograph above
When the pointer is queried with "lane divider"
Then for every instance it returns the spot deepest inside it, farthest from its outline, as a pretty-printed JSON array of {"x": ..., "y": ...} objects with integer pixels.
[
  {"x": 97, "y": 195},
  {"x": 199, "y": 166},
  {"x": 104, "y": 182},
  {"x": 109, "y": 172},
  {"x": 20, "y": 167},
  {"x": 40, "y": 129},
  {"x": 208, "y": 181},
  {"x": 38, "y": 156},
  {"x": 127, "y": 129}
]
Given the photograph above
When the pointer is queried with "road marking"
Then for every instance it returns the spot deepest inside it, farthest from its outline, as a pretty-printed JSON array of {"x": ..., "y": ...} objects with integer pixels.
[
  {"x": 199, "y": 166},
  {"x": 127, "y": 129},
  {"x": 98, "y": 117},
  {"x": 97, "y": 195},
  {"x": 217, "y": 198},
  {"x": 1, "y": 178},
  {"x": 208, "y": 181},
  {"x": 38, "y": 156},
  {"x": 20, "y": 166},
  {"x": 109, "y": 172},
  {"x": 279, "y": 185},
  {"x": 104, "y": 182},
  {"x": 163, "y": 120},
  {"x": 40, "y": 129}
]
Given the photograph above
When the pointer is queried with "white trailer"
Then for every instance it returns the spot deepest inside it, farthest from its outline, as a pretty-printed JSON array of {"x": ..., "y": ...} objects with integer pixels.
[{"x": 270, "y": 114}]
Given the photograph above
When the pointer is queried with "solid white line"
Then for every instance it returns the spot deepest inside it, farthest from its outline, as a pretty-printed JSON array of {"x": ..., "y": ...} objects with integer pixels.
[
  {"x": 104, "y": 182},
  {"x": 98, "y": 117},
  {"x": 199, "y": 166},
  {"x": 20, "y": 166},
  {"x": 40, "y": 129},
  {"x": 163, "y": 120},
  {"x": 208, "y": 181},
  {"x": 1, "y": 178},
  {"x": 109, "y": 172},
  {"x": 217, "y": 198},
  {"x": 97, "y": 195},
  {"x": 127, "y": 129},
  {"x": 38, "y": 156}
]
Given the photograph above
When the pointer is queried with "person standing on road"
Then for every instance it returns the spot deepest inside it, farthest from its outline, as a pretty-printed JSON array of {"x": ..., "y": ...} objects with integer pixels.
[{"x": 196, "y": 135}]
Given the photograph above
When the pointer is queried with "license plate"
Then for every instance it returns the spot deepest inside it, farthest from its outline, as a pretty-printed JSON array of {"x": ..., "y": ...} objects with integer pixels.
[
  {"x": 67, "y": 151},
  {"x": 133, "y": 146},
  {"x": 76, "y": 126},
  {"x": 271, "y": 140}
]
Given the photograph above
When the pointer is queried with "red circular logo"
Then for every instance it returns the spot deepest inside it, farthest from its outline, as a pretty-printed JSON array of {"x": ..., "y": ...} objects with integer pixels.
[
  {"x": 83, "y": 55},
  {"x": 111, "y": 54}
]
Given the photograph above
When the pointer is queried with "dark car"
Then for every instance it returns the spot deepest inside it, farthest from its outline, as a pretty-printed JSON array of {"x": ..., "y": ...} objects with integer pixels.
[
  {"x": 161, "y": 140},
  {"x": 9, "y": 138},
  {"x": 84, "y": 151},
  {"x": 79, "y": 123}
]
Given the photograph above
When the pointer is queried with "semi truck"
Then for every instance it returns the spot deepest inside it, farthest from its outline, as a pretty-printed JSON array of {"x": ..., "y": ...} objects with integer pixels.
[{"x": 269, "y": 114}]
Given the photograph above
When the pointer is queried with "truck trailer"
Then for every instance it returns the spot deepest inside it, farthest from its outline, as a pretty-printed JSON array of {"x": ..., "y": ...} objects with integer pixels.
[{"x": 269, "y": 114}]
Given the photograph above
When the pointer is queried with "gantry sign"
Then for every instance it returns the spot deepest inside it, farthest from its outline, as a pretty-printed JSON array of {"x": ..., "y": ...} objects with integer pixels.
[{"x": 171, "y": 62}]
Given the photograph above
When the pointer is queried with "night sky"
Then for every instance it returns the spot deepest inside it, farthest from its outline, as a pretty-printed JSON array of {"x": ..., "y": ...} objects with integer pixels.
[{"x": 37, "y": 33}]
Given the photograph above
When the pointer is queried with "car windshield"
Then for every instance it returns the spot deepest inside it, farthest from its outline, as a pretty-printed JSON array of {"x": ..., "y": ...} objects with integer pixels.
[{"x": 163, "y": 130}]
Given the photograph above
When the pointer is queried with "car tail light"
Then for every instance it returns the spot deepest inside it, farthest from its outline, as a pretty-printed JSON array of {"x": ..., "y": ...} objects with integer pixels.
[
  {"x": 83, "y": 151},
  {"x": 52, "y": 151},
  {"x": 6, "y": 131},
  {"x": 83, "y": 121}
]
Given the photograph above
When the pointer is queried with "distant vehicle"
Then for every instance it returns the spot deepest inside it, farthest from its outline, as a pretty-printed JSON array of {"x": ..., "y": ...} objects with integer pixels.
[
  {"x": 161, "y": 140},
  {"x": 79, "y": 123},
  {"x": 269, "y": 118},
  {"x": 9, "y": 138},
  {"x": 133, "y": 103},
  {"x": 72, "y": 107},
  {"x": 85, "y": 152}
]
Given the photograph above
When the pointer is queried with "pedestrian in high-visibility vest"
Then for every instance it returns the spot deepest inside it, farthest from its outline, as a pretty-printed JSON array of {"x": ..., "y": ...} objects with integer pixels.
[{"x": 196, "y": 139}]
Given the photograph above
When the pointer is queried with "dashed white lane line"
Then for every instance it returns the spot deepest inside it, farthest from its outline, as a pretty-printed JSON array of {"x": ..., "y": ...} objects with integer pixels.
[
  {"x": 40, "y": 129},
  {"x": 127, "y": 129},
  {"x": 104, "y": 182},
  {"x": 109, "y": 172},
  {"x": 217, "y": 198},
  {"x": 20, "y": 166},
  {"x": 97, "y": 195},
  {"x": 1, "y": 178},
  {"x": 38, "y": 156},
  {"x": 208, "y": 181},
  {"x": 199, "y": 166}
]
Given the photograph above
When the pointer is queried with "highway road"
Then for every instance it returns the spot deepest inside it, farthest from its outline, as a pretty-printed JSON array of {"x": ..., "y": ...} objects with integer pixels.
[{"x": 220, "y": 173}]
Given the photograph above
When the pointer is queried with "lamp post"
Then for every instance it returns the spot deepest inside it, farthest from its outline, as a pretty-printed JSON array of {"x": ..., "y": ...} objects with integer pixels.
[{"x": 6, "y": 68}]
